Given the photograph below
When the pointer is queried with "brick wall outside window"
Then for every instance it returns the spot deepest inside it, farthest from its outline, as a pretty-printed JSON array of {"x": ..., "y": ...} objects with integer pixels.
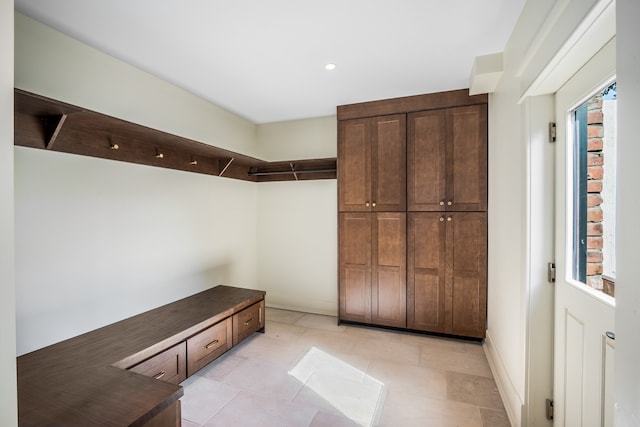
[{"x": 595, "y": 174}]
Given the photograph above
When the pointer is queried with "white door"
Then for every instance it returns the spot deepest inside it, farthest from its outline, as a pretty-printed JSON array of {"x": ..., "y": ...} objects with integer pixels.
[{"x": 583, "y": 354}]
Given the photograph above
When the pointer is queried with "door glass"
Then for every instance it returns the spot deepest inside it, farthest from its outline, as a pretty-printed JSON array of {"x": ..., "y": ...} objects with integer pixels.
[{"x": 594, "y": 166}]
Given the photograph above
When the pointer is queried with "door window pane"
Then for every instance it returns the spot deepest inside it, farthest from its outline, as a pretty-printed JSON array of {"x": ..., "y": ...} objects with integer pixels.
[{"x": 594, "y": 161}]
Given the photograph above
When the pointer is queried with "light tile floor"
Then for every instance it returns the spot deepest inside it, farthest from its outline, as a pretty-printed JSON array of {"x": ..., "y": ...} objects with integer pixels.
[{"x": 308, "y": 371}]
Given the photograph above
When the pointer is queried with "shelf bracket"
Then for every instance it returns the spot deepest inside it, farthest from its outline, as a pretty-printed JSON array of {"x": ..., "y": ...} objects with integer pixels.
[
  {"x": 52, "y": 127},
  {"x": 224, "y": 169}
]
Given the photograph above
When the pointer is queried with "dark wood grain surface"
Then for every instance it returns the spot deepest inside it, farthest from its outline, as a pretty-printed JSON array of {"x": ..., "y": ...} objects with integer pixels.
[
  {"x": 408, "y": 104},
  {"x": 83, "y": 381}
]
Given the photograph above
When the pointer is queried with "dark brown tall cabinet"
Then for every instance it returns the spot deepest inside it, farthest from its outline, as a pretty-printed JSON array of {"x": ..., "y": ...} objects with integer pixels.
[{"x": 412, "y": 201}]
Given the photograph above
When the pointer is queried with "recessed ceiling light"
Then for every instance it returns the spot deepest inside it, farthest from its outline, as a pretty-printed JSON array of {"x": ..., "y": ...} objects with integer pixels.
[{"x": 330, "y": 66}]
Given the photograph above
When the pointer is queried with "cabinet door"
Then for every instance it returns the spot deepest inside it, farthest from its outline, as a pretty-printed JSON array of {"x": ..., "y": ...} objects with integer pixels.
[
  {"x": 426, "y": 167},
  {"x": 354, "y": 282},
  {"x": 467, "y": 158},
  {"x": 389, "y": 163},
  {"x": 388, "y": 282},
  {"x": 354, "y": 165},
  {"x": 426, "y": 264},
  {"x": 372, "y": 164},
  {"x": 467, "y": 275}
]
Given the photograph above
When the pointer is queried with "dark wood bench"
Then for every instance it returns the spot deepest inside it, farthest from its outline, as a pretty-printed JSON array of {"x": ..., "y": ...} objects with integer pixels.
[{"x": 127, "y": 373}]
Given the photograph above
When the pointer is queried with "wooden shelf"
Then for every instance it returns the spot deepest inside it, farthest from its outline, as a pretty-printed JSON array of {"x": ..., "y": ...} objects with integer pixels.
[{"x": 48, "y": 124}]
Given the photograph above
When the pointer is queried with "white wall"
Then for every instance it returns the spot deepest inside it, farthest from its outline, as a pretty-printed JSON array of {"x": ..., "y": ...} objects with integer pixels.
[
  {"x": 627, "y": 387},
  {"x": 8, "y": 393},
  {"x": 297, "y": 221},
  {"x": 97, "y": 240},
  {"x": 297, "y": 245},
  {"x": 298, "y": 139}
]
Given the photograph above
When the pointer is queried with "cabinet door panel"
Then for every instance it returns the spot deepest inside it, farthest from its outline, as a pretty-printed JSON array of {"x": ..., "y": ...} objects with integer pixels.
[
  {"x": 426, "y": 175},
  {"x": 427, "y": 297},
  {"x": 355, "y": 266},
  {"x": 389, "y": 294},
  {"x": 389, "y": 301},
  {"x": 355, "y": 295},
  {"x": 354, "y": 165},
  {"x": 426, "y": 238},
  {"x": 388, "y": 175},
  {"x": 467, "y": 158},
  {"x": 467, "y": 247}
]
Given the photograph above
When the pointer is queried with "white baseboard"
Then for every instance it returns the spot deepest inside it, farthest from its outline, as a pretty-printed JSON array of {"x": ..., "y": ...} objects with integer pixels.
[
  {"x": 305, "y": 305},
  {"x": 513, "y": 404}
]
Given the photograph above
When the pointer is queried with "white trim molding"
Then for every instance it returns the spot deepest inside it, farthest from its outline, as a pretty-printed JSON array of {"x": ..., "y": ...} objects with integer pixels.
[
  {"x": 513, "y": 403},
  {"x": 486, "y": 73}
]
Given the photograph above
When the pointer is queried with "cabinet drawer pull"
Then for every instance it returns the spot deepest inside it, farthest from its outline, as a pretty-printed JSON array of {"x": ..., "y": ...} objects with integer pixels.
[
  {"x": 449, "y": 219},
  {"x": 211, "y": 344},
  {"x": 159, "y": 375},
  {"x": 367, "y": 204},
  {"x": 449, "y": 203},
  {"x": 441, "y": 219},
  {"x": 441, "y": 202},
  {"x": 373, "y": 204},
  {"x": 248, "y": 321}
]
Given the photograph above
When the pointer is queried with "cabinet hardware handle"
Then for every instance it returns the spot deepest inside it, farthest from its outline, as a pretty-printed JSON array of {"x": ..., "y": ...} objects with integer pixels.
[
  {"x": 449, "y": 219},
  {"x": 211, "y": 344},
  {"x": 159, "y": 375},
  {"x": 610, "y": 335},
  {"x": 449, "y": 203},
  {"x": 367, "y": 204},
  {"x": 248, "y": 321},
  {"x": 373, "y": 204},
  {"x": 441, "y": 202},
  {"x": 441, "y": 219}
]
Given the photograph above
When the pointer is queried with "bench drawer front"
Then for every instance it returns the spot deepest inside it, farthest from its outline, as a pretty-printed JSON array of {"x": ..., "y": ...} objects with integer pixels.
[
  {"x": 169, "y": 366},
  {"x": 208, "y": 345},
  {"x": 248, "y": 321}
]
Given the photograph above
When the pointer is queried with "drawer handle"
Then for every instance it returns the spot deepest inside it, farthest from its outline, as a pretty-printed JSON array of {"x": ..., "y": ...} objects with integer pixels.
[
  {"x": 159, "y": 375},
  {"x": 248, "y": 321},
  {"x": 211, "y": 344}
]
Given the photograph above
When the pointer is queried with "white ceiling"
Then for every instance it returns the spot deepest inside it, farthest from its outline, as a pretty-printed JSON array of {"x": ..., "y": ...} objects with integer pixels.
[{"x": 264, "y": 59}]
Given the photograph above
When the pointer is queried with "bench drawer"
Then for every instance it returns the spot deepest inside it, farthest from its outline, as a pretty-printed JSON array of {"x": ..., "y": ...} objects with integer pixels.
[
  {"x": 207, "y": 345},
  {"x": 248, "y": 321},
  {"x": 169, "y": 366}
]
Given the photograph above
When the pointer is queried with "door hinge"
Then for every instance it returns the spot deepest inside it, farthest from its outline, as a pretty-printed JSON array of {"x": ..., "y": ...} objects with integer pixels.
[
  {"x": 549, "y": 409},
  {"x": 552, "y": 132},
  {"x": 551, "y": 272}
]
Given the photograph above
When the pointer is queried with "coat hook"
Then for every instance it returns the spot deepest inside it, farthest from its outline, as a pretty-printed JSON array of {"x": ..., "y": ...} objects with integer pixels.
[
  {"x": 159, "y": 155},
  {"x": 193, "y": 161},
  {"x": 112, "y": 145}
]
